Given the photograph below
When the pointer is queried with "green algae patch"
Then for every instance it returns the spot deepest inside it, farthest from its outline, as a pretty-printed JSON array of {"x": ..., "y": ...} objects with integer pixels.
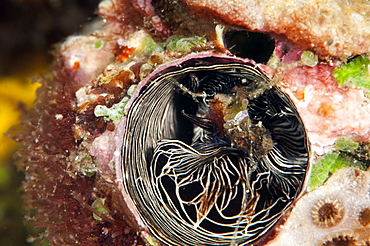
[
  {"x": 346, "y": 144},
  {"x": 148, "y": 46},
  {"x": 356, "y": 73},
  {"x": 309, "y": 58},
  {"x": 325, "y": 166},
  {"x": 343, "y": 155},
  {"x": 116, "y": 112},
  {"x": 184, "y": 44},
  {"x": 100, "y": 206},
  {"x": 98, "y": 44}
]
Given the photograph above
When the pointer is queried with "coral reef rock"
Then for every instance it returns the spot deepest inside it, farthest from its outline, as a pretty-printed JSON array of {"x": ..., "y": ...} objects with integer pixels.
[
  {"x": 336, "y": 213},
  {"x": 329, "y": 27}
]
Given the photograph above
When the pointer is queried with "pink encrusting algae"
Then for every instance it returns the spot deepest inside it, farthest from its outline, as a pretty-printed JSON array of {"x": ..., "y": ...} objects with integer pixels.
[{"x": 328, "y": 110}]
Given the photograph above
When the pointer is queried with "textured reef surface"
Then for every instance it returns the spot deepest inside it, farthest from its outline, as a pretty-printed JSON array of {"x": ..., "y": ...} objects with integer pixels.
[
  {"x": 328, "y": 27},
  {"x": 337, "y": 213},
  {"x": 201, "y": 107}
]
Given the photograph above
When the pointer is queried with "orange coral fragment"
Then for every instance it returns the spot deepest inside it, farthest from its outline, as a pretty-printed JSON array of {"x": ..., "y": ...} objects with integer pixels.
[
  {"x": 76, "y": 65},
  {"x": 122, "y": 53}
]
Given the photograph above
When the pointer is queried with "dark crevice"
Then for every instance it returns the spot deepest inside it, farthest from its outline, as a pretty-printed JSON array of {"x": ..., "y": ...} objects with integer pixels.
[{"x": 252, "y": 45}]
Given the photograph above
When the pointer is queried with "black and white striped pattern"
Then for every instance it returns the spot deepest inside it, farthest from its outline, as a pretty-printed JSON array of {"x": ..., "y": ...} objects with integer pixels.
[{"x": 188, "y": 183}]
